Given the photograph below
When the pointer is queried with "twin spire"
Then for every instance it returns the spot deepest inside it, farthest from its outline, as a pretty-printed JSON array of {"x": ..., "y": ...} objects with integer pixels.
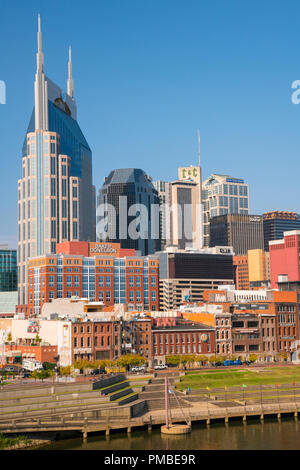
[{"x": 40, "y": 61}]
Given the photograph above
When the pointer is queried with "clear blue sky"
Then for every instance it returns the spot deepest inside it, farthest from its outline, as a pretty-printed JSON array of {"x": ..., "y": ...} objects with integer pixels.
[{"x": 148, "y": 74}]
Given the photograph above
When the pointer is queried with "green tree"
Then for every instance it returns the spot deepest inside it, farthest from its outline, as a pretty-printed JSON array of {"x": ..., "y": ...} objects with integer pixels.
[
  {"x": 253, "y": 358},
  {"x": 173, "y": 360},
  {"x": 129, "y": 360},
  {"x": 187, "y": 359},
  {"x": 104, "y": 363},
  {"x": 44, "y": 374},
  {"x": 49, "y": 365},
  {"x": 82, "y": 365},
  {"x": 9, "y": 337},
  {"x": 201, "y": 359},
  {"x": 284, "y": 356},
  {"x": 65, "y": 370},
  {"x": 37, "y": 340},
  {"x": 213, "y": 359},
  {"x": 34, "y": 374}
]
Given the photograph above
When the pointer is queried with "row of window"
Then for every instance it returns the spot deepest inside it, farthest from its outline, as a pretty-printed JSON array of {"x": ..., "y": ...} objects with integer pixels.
[
  {"x": 183, "y": 338},
  {"x": 179, "y": 349},
  {"x": 83, "y": 342}
]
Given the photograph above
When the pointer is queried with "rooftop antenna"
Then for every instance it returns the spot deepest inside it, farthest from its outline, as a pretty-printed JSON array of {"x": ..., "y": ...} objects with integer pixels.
[
  {"x": 70, "y": 83},
  {"x": 198, "y": 147}
]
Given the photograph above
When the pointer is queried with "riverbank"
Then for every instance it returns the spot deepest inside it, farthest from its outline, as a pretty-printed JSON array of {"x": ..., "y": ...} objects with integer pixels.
[{"x": 21, "y": 443}]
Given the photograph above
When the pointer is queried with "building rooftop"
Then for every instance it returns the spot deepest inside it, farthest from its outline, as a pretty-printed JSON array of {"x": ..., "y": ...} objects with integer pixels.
[
  {"x": 183, "y": 326},
  {"x": 127, "y": 175}
]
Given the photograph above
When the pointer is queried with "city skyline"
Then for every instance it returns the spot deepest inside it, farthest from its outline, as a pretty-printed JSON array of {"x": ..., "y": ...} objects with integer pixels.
[{"x": 126, "y": 77}]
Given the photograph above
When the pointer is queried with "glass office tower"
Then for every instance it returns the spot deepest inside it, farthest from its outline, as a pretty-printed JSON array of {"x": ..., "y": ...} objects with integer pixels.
[
  {"x": 8, "y": 269},
  {"x": 56, "y": 197},
  {"x": 278, "y": 222},
  {"x": 221, "y": 195},
  {"x": 128, "y": 204}
]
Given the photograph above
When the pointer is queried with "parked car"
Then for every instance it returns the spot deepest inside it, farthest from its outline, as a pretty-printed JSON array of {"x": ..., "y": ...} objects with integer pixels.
[
  {"x": 9, "y": 369},
  {"x": 137, "y": 369},
  {"x": 98, "y": 372},
  {"x": 160, "y": 366},
  {"x": 26, "y": 375}
]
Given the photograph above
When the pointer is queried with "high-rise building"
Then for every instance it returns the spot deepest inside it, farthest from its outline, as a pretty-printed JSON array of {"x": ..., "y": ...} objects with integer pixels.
[
  {"x": 8, "y": 269},
  {"x": 222, "y": 194},
  {"x": 56, "y": 197},
  {"x": 259, "y": 268},
  {"x": 185, "y": 274},
  {"x": 252, "y": 270},
  {"x": 96, "y": 271},
  {"x": 163, "y": 189},
  {"x": 128, "y": 211},
  {"x": 278, "y": 222},
  {"x": 242, "y": 232},
  {"x": 241, "y": 272},
  {"x": 186, "y": 213},
  {"x": 181, "y": 210}
]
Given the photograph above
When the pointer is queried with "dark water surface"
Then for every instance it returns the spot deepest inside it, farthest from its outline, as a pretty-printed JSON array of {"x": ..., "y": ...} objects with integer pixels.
[{"x": 271, "y": 435}]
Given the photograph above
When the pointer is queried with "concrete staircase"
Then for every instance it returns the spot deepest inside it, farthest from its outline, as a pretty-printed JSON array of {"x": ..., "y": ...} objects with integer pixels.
[
  {"x": 154, "y": 393},
  {"x": 66, "y": 398}
]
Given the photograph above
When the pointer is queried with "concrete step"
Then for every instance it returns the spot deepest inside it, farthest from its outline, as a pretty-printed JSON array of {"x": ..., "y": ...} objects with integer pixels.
[
  {"x": 160, "y": 405},
  {"x": 113, "y": 388},
  {"x": 120, "y": 393},
  {"x": 24, "y": 401},
  {"x": 53, "y": 405}
]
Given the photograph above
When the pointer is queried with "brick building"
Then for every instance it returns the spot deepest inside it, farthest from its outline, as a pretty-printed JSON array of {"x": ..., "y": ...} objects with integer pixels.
[
  {"x": 264, "y": 322},
  {"x": 181, "y": 337},
  {"x": 287, "y": 322},
  {"x": 216, "y": 316},
  {"x": 241, "y": 272},
  {"x": 96, "y": 340},
  {"x": 43, "y": 353},
  {"x": 137, "y": 336},
  {"x": 107, "y": 275}
]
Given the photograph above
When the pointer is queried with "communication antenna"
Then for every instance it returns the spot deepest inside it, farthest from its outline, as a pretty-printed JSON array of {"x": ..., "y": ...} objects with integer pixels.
[{"x": 198, "y": 147}]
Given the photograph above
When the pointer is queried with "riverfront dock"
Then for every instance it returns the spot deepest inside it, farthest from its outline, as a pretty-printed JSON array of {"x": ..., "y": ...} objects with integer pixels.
[{"x": 132, "y": 403}]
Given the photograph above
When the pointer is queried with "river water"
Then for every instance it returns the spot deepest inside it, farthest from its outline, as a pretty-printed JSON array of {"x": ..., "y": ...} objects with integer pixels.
[{"x": 271, "y": 435}]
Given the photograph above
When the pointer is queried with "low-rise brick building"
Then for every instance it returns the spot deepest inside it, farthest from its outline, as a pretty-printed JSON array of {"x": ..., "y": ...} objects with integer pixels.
[
  {"x": 96, "y": 340},
  {"x": 181, "y": 337}
]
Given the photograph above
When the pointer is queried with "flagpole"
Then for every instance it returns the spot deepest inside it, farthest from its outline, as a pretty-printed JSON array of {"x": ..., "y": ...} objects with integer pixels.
[{"x": 166, "y": 402}]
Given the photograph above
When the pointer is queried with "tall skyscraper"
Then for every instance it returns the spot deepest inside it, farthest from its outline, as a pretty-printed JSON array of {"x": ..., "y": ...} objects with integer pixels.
[
  {"x": 56, "y": 197},
  {"x": 186, "y": 218},
  {"x": 163, "y": 189},
  {"x": 128, "y": 211},
  {"x": 181, "y": 217},
  {"x": 223, "y": 194},
  {"x": 278, "y": 222},
  {"x": 242, "y": 232}
]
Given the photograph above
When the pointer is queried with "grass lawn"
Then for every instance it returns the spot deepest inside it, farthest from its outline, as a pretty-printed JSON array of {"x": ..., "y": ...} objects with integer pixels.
[{"x": 230, "y": 378}]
